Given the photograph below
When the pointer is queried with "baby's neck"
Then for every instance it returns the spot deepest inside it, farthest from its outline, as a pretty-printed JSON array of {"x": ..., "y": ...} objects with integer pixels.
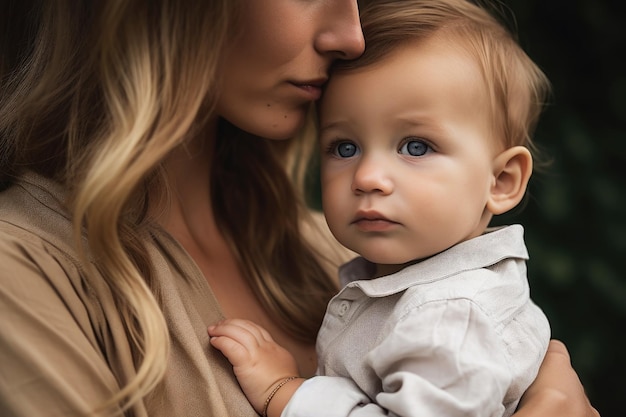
[{"x": 388, "y": 269}]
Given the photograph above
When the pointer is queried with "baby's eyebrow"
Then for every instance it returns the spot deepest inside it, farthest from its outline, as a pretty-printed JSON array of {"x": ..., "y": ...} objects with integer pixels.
[
  {"x": 335, "y": 124},
  {"x": 332, "y": 124}
]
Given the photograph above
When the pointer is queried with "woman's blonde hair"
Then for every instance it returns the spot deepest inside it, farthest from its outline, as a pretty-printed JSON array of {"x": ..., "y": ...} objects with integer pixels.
[
  {"x": 96, "y": 95},
  {"x": 517, "y": 88}
]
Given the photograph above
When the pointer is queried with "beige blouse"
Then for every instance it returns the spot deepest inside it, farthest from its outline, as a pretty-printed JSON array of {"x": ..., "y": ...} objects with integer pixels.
[{"x": 64, "y": 351}]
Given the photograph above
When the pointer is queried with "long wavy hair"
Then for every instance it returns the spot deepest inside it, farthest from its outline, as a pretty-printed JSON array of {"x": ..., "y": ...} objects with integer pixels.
[
  {"x": 95, "y": 95},
  {"x": 517, "y": 88}
]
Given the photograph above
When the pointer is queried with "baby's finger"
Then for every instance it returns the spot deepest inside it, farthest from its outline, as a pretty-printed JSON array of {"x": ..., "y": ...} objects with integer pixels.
[
  {"x": 259, "y": 332},
  {"x": 235, "y": 352},
  {"x": 235, "y": 330},
  {"x": 242, "y": 330}
]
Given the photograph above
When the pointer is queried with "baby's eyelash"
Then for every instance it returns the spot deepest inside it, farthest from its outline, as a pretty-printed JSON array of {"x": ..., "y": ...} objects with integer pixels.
[{"x": 331, "y": 147}]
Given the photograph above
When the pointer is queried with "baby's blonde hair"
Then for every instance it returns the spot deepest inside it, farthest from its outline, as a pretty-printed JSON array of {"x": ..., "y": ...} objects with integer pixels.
[{"x": 516, "y": 86}]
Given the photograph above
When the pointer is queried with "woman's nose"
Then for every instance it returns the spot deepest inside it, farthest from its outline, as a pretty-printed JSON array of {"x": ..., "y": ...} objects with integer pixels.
[
  {"x": 371, "y": 176},
  {"x": 342, "y": 35}
]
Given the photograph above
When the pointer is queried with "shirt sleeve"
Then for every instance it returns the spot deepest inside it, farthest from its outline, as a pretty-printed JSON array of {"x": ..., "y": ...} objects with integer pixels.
[
  {"x": 51, "y": 364},
  {"x": 443, "y": 358}
]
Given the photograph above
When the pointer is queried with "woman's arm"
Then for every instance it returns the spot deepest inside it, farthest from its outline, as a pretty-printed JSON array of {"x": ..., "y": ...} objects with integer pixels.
[{"x": 557, "y": 391}]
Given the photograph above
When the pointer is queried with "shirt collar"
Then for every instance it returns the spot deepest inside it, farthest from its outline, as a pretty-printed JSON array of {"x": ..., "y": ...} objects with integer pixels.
[{"x": 483, "y": 251}]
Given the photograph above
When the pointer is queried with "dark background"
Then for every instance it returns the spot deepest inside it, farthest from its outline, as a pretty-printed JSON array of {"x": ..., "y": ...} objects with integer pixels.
[{"x": 575, "y": 217}]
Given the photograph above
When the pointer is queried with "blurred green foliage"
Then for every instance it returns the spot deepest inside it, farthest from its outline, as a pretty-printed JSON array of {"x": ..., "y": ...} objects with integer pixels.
[{"x": 575, "y": 216}]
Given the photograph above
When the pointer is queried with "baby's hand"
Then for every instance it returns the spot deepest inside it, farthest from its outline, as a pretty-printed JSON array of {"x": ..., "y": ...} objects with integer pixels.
[{"x": 258, "y": 362}]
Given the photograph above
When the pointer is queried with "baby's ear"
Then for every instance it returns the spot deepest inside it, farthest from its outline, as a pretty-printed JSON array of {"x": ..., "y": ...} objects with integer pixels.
[{"x": 511, "y": 172}]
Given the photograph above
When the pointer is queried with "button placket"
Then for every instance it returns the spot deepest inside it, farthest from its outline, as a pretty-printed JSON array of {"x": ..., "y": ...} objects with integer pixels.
[{"x": 344, "y": 307}]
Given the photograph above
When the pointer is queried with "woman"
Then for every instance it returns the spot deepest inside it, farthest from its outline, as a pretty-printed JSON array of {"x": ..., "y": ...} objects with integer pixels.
[{"x": 140, "y": 203}]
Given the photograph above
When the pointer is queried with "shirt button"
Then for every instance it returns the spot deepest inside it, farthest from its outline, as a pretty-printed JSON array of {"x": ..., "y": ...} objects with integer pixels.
[{"x": 344, "y": 306}]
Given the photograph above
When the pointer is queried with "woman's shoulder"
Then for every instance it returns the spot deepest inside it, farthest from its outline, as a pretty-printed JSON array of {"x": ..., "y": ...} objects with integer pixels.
[
  {"x": 35, "y": 242},
  {"x": 45, "y": 296},
  {"x": 40, "y": 270},
  {"x": 34, "y": 218},
  {"x": 28, "y": 261},
  {"x": 37, "y": 247}
]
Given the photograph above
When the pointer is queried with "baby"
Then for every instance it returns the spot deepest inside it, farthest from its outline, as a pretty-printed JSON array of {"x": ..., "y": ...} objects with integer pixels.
[{"x": 424, "y": 139}]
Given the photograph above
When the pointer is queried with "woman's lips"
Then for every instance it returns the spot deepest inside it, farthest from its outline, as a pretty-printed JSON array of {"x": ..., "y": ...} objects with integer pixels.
[{"x": 311, "y": 89}]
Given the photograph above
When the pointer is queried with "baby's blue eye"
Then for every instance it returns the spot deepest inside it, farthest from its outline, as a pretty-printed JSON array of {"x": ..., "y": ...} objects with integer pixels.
[
  {"x": 414, "y": 147},
  {"x": 346, "y": 149}
]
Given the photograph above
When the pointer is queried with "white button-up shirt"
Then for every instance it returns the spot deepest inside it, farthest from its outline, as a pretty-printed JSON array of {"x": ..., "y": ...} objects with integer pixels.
[{"x": 454, "y": 335}]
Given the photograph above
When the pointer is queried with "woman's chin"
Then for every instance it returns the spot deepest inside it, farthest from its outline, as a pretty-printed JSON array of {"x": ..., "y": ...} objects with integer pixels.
[
  {"x": 283, "y": 129},
  {"x": 275, "y": 125}
]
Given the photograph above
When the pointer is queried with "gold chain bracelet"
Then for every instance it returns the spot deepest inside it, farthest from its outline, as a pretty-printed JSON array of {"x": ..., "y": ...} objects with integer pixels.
[{"x": 274, "y": 391}]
